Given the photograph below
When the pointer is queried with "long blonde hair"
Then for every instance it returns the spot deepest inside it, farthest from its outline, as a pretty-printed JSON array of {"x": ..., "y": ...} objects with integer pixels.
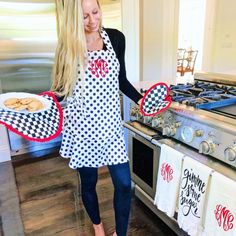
[{"x": 71, "y": 48}]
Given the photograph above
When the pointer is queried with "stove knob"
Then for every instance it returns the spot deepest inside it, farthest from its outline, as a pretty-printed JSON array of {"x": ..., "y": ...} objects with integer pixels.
[
  {"x": 169, "y": 130},
  {"x": 230, "y": 153},
  {"x": 206, "y": 147},
  {"x": 156, "y": 122},
  {"x": 178, "y": 124},
  {"x": 199, "y": 133},
  {"x": 147, "y": 120},
  {"x": 134, "y": 111},
  {"x": 138, "y": 115}
]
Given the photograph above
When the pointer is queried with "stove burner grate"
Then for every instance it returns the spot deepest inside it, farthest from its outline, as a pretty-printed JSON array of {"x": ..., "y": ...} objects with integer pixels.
[{"x": 201, "y": 93}]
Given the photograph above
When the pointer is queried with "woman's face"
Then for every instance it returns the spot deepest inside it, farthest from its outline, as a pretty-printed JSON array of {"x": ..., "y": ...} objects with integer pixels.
[{"x": 92, "y": 15}]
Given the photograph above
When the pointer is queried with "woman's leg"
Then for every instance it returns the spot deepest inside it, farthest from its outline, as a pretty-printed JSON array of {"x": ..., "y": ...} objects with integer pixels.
[
  {"x": 88, "y": 178},
  {"x": 121, "y": 179}
]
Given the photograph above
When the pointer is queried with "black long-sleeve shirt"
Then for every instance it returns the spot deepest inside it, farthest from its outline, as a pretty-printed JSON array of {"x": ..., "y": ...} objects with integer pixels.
[{"x": 118, "y": 42}]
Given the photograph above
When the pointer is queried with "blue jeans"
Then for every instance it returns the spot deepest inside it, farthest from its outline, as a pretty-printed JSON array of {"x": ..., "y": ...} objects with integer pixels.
[{"x": 121, "y": 180}]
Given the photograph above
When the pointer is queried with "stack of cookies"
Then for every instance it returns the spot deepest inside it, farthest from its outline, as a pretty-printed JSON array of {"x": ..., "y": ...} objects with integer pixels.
[{"x": 20, "y": 104}]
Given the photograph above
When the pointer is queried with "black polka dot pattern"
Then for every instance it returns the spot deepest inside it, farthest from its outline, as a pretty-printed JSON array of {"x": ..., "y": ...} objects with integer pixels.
[{"x": 92, "y": 132}]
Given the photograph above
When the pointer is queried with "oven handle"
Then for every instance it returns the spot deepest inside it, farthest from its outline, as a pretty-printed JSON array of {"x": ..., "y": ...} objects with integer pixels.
[{"x": 146, "y": 133}]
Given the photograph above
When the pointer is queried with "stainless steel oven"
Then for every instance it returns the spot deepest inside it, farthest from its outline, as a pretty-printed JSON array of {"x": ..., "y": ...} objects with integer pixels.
[
  {"x": 144, "y": 153},
  {"x": 144, "y": 161},
  {"x": 200, "y": 124}
]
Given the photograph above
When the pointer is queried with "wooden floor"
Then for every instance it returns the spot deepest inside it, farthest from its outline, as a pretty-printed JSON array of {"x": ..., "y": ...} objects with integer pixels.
[
  {"x": 9, "y": 203},
  {"x": 50, "y": 205}
]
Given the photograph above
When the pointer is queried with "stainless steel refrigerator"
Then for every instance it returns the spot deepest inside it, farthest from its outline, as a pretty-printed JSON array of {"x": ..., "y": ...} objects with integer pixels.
[{"x": 28, "y": 39}]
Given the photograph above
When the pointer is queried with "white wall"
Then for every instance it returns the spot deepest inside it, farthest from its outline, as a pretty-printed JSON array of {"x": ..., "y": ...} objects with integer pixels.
[
  {"x": 191, "y": 27},
  {"x": 151, "y": 39},
  {"x": 111, "y": 14},
  {"x": 151, "y": 29},
  {"x": 159, "y": 40},
  {"x": 220, "y": 37},
  {"x": 131, "y": 28}
]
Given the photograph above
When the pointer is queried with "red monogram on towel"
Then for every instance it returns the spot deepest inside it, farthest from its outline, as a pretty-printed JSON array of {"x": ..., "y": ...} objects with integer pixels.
[
  {"x": 166, "y": 172},
  {"x": 224, "y": 217},
  {"x": 99, "y": 67}
]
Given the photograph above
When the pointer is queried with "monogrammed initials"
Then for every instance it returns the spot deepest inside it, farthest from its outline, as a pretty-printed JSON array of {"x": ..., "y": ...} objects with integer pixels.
[
  {"x": 166, "y": 172},
  {"x": 224, "y": 217},
  {"x": 99, "y": 67}
]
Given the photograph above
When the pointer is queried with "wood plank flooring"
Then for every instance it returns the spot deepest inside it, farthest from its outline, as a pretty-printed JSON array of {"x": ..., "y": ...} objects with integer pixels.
[
  {"x": 50, "y": 204},
  {"x": 9, "y": 203}
]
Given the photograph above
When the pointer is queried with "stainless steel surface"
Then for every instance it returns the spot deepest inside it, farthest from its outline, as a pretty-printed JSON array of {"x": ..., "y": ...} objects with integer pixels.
[
  {"x": 151, "y": 190},
  {"x": 141, "y": 190},
  {"x": 203, "y": 135},
  {"x": 19, "y": 145},
  {"x": 208, "y": 135},
  {"x": 190, "y": 152},
  {"x": 27, "y": 43},
  {"x": 28, "y": 39},
  {"x": 216, "y": 78},
  {"x": 209, "y": 132}
]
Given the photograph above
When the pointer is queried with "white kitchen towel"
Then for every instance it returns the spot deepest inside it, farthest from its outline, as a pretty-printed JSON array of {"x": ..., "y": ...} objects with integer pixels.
[
  {"x": 221, "y": 207},
  {"x": 168, "y": 180},
  {"x": 192, "y": 194}
]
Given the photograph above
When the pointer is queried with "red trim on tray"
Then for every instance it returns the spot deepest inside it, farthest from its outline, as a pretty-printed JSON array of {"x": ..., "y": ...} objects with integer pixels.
[
  {"x": 167, "y": 98},
  {"x": 51, "y": 94}
]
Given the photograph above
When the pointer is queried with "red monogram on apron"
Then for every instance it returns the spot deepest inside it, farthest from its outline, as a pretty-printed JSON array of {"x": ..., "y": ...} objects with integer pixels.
[{"x": 99, "y": 67}]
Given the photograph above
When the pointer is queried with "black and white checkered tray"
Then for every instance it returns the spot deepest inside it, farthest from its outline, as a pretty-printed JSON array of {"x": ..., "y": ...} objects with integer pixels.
[
  {"x": 155, "y": 100},
  {"x": 40, "y": 127}
]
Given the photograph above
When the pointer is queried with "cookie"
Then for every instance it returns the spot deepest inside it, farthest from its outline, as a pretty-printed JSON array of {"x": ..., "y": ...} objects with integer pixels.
[
  {"x": 20, "y": 107},
  {"x": 19, "y": 104},
  {"x": 25, "y": 101},
  {"x": 11, "y": 101},
  {"x": 35, "y": 106}
]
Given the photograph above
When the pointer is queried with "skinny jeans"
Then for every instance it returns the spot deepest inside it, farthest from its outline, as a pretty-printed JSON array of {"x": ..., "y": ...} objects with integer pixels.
[{"x": 120, "y": 174}]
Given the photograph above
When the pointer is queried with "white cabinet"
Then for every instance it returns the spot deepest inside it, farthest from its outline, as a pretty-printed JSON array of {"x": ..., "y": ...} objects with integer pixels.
[
  {"x": 4, "y": 145},
  {"x": 151, "y": 30}
]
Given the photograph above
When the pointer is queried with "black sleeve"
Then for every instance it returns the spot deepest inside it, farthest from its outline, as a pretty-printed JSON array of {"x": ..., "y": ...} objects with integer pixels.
[{"x": 118, "y": 42}]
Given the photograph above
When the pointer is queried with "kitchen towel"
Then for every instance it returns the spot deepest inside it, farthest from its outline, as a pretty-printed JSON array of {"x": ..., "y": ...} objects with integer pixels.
[
  {"x": 39, "y": 127},
  {"x": 192, "y": 195},
  {"x": 220, "y": 216},
  {"x": 168, "y": 180}
]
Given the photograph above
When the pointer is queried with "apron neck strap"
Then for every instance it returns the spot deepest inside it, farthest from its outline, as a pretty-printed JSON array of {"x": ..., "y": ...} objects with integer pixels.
[{"x": 106, "y": 40}]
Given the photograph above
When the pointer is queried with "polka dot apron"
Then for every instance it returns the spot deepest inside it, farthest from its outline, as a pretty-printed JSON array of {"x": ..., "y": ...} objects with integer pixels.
[{"x": 92, "y": 133}]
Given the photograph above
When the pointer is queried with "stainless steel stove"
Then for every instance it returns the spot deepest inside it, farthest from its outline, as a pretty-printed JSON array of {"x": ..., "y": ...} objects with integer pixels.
[
  {"x": 202, "y": 116},
  {"x": 200, "y": 124}
]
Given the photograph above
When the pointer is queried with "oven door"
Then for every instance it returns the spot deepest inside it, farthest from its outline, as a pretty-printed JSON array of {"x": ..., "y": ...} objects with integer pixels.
[{"x": 144, "y": 162}]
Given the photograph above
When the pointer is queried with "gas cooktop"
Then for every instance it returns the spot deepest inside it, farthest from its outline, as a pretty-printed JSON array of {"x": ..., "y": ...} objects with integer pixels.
[
  {"x": 202, "y": 116},
  {"x": 216, "y": 98}
]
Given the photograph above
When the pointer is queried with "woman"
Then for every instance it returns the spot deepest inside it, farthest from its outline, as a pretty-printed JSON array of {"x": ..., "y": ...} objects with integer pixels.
[{"x": 89, "y": 71}]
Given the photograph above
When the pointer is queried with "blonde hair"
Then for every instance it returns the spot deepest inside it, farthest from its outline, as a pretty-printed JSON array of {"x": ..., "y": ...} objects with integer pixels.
[{"x": 71, "y": 48}]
